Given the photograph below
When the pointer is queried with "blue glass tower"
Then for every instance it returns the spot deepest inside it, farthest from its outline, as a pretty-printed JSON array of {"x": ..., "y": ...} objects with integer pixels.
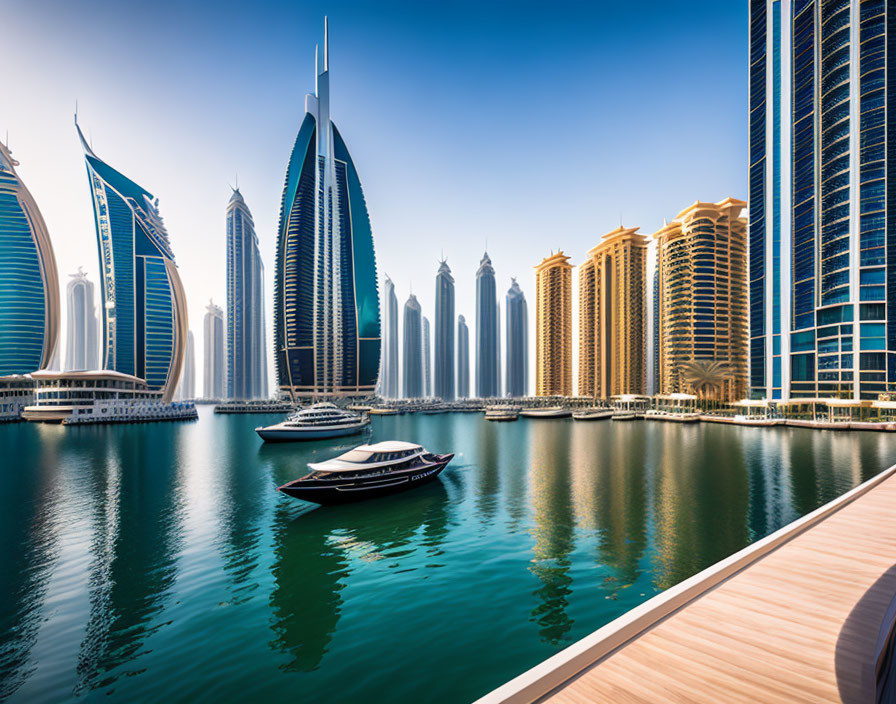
[
  {"x": 29, "y": 281},
  {"x": 326, "y": 303},
  {"x": 487, "y": 367},
  {"x": 822, "y": 236},
  {"x": 247, "y": 368},
  {"x": 517, "y": 342},
  {"x": 144, "y": 306},
  {"x": 443, "y": 376},
  {"x": 412, "y": 369},
  {"x": 463, "y": 358}
]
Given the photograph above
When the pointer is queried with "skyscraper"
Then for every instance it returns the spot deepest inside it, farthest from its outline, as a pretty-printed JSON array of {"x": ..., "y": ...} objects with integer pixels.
[
  {"x": 213, "y": 348},
  {"x": 463, "y": 358},
  {"x": 613, "y": 316},
  {"x": 247, "y": 366},
  {"x": 390, "y": 374},
  {"x": 553, "y": 326},
  {"x": 412, "y": 386},
  {"x": 486, "y": 330},
  {"x": 186, "y": 389},
  {"x": 427, "y": 358},
  {"x": 144, "y": 306},
  {"x": 702, "y": 296},
  {"x": 326, "y": 303},
  {"x": 517, "y": 341},
  {"x": 29, "y": 282},
  {"x": 83, "y": 336},
  {"x": 822, "y": 284},
  {"x": 444, "y": 353}
]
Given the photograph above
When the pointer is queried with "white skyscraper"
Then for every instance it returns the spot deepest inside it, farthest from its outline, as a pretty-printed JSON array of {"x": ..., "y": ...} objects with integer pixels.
[
  {"x": 213, "y": 344},
  {"x": 186, "y": 390},
  {"x": 82, "y": 339}
]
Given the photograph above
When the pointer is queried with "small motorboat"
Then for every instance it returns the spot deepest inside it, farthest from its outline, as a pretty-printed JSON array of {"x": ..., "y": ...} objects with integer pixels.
[
  {"x": 318, "y": 422},
  {"x": 502, "y": 413},
  {"x": 549, "y": 412},
  {"x": 367, "y": 472},
  {"x": 383, "y": 411},
  {"x": 592, "y": 414}
]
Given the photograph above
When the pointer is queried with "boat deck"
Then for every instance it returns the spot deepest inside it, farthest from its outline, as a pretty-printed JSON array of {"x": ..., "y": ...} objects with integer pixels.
[{"x": 796, "y": 617}]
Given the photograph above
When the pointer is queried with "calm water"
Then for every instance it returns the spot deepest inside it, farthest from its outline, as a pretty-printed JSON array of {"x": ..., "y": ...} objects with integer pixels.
[{"x": 156, "y": 562}]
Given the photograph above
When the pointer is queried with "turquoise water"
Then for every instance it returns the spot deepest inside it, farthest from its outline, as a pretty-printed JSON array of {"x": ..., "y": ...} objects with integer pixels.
[{"x": 157, "y": 562}]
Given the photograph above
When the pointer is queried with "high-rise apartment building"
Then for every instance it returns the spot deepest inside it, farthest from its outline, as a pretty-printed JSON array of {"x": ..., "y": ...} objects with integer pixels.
[
  {"x": 82, "y": 337},
  {"x": 553, "y": 326},
  {"x": 427, "y": 358},
  {"x": 247, "y": 366},
  {"x": 517, "y": 364},
  {"x": 326, "y": 302},
  {"x": 822, "y": 229},
  {"x": 389, "y": 374},
  {"x": 463, "y": 358},
  {"x": 613, "y": 316},
  {"x": 412, "y": 367},
  {"x": 144, "y": 305},
  {"x": 486, "y": 330},
  {"x": 443, "y": 383},
  {"x": 702, "y": 299},
  {"x": 29, "y": 281},
  {"x": 213, "y": 351},
  {"x": 186, "y": 389}
]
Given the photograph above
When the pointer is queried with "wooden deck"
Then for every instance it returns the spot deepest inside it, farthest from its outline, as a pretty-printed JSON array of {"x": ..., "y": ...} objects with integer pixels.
[{"x": 799, "y": 622}]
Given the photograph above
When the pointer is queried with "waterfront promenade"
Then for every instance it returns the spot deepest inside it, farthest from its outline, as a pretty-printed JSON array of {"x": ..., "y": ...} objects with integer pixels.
[{"x": 800, "y": 616}]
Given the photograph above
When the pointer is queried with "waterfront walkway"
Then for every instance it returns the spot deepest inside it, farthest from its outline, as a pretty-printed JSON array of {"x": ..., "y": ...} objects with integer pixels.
[{"x": 796, "y": 617}]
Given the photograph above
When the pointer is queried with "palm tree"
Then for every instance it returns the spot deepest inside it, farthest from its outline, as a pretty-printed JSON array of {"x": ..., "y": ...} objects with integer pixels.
[{"x": 705, "y": 376}]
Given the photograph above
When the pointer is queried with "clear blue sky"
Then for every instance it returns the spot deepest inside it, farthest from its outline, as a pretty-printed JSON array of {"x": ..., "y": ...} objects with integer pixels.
[{"x": 530, "y": 125}]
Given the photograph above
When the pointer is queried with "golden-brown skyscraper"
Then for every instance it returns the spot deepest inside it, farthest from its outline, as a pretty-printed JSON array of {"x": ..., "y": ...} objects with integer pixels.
[
  {"x": 613, "y": 316},
  {"x": 702, "y": 295},
  {"x": 553, "y": 326}
]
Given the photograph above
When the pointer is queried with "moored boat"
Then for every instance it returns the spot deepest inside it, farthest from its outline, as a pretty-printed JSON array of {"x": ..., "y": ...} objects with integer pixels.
[
  {"x": 549, "y": 412},
  {"x": 367, "y": 472},
  {"x": 318, "y": 422},
  {"x": 592, "y": 414},
  {"x": 502, "y": 413}
]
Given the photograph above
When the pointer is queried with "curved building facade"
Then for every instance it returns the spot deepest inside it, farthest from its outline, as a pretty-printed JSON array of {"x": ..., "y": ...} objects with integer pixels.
[
  {"x": 29, "y": 281},
  {"x": 144, "y": 306},
  {"x": 326, "y": 303}
]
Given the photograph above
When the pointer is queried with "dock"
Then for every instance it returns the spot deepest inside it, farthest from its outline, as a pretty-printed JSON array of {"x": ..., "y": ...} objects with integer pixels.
[{"x": 804, "y": 615}]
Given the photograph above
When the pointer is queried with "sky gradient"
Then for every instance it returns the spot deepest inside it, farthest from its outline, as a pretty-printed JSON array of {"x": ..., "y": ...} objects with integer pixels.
[{"x": 526, "y": 126}]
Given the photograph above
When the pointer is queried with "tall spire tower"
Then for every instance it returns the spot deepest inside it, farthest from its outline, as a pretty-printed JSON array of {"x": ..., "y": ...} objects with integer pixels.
[{"x": 326, "y": 303}]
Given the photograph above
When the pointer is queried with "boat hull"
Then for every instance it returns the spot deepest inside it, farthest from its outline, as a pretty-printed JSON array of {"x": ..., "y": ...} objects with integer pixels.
[
  {"x": 275, "y": 434},
  {"x": 351, "y": 491}
]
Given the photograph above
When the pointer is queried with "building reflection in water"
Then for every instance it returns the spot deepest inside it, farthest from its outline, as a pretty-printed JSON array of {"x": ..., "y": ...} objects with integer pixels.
[
  {"x": 137, "y": 533},
  {"x": 316, "y": 551},
  {"x": 514, "y": 462},
  {"x": 487, "y": 482},
  {"x": 553, "y": 527},
  {"x": 29, "y": 534},
  {"x": 701, "y": 500}
]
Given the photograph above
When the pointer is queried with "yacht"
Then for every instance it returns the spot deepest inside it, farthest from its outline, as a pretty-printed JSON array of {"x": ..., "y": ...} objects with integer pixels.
[
  {"x": 317, "y": 422},
  {"x": 502, "y": 413},
  {"x": 366, "y": 472},
  {"x": 549, "y": 412},
  {"x": 593, "y": 413}
]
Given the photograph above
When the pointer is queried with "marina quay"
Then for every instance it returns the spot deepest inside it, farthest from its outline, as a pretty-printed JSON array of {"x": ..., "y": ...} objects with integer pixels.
[{"x": 531, "y": 375}]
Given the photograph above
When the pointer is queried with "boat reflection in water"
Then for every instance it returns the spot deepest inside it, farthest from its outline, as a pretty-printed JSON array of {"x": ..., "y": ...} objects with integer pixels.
[{"x": 367, "y": 472}]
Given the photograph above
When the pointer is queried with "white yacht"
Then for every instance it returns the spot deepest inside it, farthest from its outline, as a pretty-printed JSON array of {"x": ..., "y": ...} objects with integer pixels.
[
  {"x": 317, "y": 422},
  {"x": 548, "y": 412},
  {"x": 502, "y": 413}
]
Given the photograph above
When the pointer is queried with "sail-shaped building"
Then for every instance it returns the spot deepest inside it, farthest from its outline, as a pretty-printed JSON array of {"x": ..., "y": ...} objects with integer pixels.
[
  {"x": 29, "y": 281},
  {"x": 326, "y": 302},
  {"x": 144, "y": 306}
]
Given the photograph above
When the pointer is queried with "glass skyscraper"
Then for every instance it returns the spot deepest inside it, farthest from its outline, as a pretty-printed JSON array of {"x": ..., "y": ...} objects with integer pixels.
[
  {"x": 144, "y": 307},
  {"x": 427, "y": 358},
  {"x": 463, "y": 358},
  {"x": 822, "y": 282},
  {"x": 517, "y": 342},
  {"x": 213, "y": 352},
  {"x": 389, "y": 374},
  {"x": 247, "y": 367},
  {"x": 486, "y": 330},
  {"x": 82, "y": 337},
  {"x": 29, "y": 282},
  {"x": 326, "y": 303},
  {"x": 444, "y": 353},
  {"x": 412, "y": 384}
]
